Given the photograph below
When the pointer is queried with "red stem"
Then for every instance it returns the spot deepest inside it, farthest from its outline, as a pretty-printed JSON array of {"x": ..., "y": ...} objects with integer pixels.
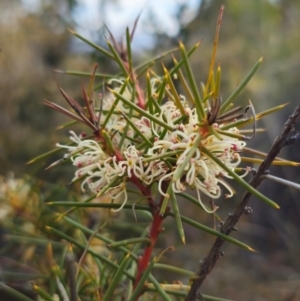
[
  {"x": 155, "y": 229},
  {"x": 145, "y": 259}
]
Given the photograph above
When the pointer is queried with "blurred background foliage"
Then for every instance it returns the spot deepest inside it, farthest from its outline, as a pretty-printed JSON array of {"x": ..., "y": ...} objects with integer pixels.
[{"x": 34, "y": 41}]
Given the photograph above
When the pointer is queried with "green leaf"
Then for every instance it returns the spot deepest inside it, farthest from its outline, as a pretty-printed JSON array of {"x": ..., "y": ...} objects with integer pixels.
[
  {"x": 135, "y": 249},
  {"x": 190, "y": 75},
  {"x": 8, "y": 276},
  {"x": 42, "y": 293},
  {"x": 130, "y": 241},
  {"x": 140, "y": 285},
  {"x": 218, "y": 82},
  {"x": 166, "y": 199},
  {"x": 184, "y": 83},
  {"x": 211, "y": 298},
  {"x": 159, "y": 289},
  {"x": 45, "y": 155},
  {"x": 141, "y": 111},
  {"x": 146, "y": 208},
  {"x": 180, "y": 290},
  {"x": 177, "y": 217},
  {"x": 173, "y": 92},
  {"x": 162, "y": 156},
  {"x": 174, "y": 269},
  {"x": 13, "y": 293},
  {"x": 86, "y": 74},
  {"x": 213, "y": 232},
  {"x": 98, "y": 48},
  {"x": 240, "y": 87},
  {"x": 89, "y": 250},
  {"x": 116, "y": 279},
  {"x": 75, "y": 204},
  {"x": 137, "y": 130},
  {"x": 33, "y": 240},
  {"x": 129, "y": 53},
  {"x": 117, "y": 59}
]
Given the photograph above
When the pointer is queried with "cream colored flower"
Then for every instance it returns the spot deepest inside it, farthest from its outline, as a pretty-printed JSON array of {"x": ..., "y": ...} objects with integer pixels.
[{"x": 102, "y": 172}]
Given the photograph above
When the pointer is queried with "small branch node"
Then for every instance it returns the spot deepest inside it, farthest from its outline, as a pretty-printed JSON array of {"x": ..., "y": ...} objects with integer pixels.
[
  {"x": 199, "y": 296},
  {"x": 221, "y": 227},
  {"x": 253, "y": 171},
  {"x": 248, "y": 210},
  {"x": 202, "y": 262},
  {"x": 291, "y": 140}
]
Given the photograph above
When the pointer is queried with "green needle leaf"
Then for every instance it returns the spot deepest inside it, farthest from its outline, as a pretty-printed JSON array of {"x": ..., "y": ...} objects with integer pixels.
[
  {"x": 177, "y": 217},
  {"x": 42, "y": 293},
  {"x": 240, "y": 87},
  {"x": 13, "y": 293},
  {"x": 142, "y": 281},
  {"x": 85, "y": 74},
  {"x": 98, "y": 48},
  {"x": 190, "y": 75},
  {"x": 184, "y": 83},
  {"x": 89, "y": 250},
  {"x": 117, "y": 58},
  {"x": 129, "y": 242},
  {"x": 173, "y": 92},
  {"x": 141, "y": 111},
  {"x": 107, "y": 240},
  {"x": 159, "y": 289},
  {"x": 214, "y": 232},
  {"x": 166, "y": 200},
  {"x": 129, "y": 53},
  {"x": 218, "y": 82},
  {"x": 137, "y": 130},
  {"x": 45, "y": 155},
  {"x": 145, "y": 208},
  {"x": 116, "y": 279}
]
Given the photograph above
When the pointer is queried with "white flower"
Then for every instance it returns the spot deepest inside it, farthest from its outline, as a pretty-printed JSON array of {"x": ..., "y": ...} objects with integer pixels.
[
  {"x": 201, "y": 172},
  {"x": 132, "y": 159},
  {"x": 104, "y": 172}
]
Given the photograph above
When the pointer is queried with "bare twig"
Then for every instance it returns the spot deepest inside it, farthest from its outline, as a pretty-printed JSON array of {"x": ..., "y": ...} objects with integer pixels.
[{"x": 215, "y": 253}]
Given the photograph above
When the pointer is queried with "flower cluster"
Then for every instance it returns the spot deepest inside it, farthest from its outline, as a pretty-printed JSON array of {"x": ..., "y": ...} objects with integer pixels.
[{"x": 148, "y": 152}]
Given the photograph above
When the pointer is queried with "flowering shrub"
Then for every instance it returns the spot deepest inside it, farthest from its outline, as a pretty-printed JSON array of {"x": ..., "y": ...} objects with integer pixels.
[{"x": 160, "y": 140}]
